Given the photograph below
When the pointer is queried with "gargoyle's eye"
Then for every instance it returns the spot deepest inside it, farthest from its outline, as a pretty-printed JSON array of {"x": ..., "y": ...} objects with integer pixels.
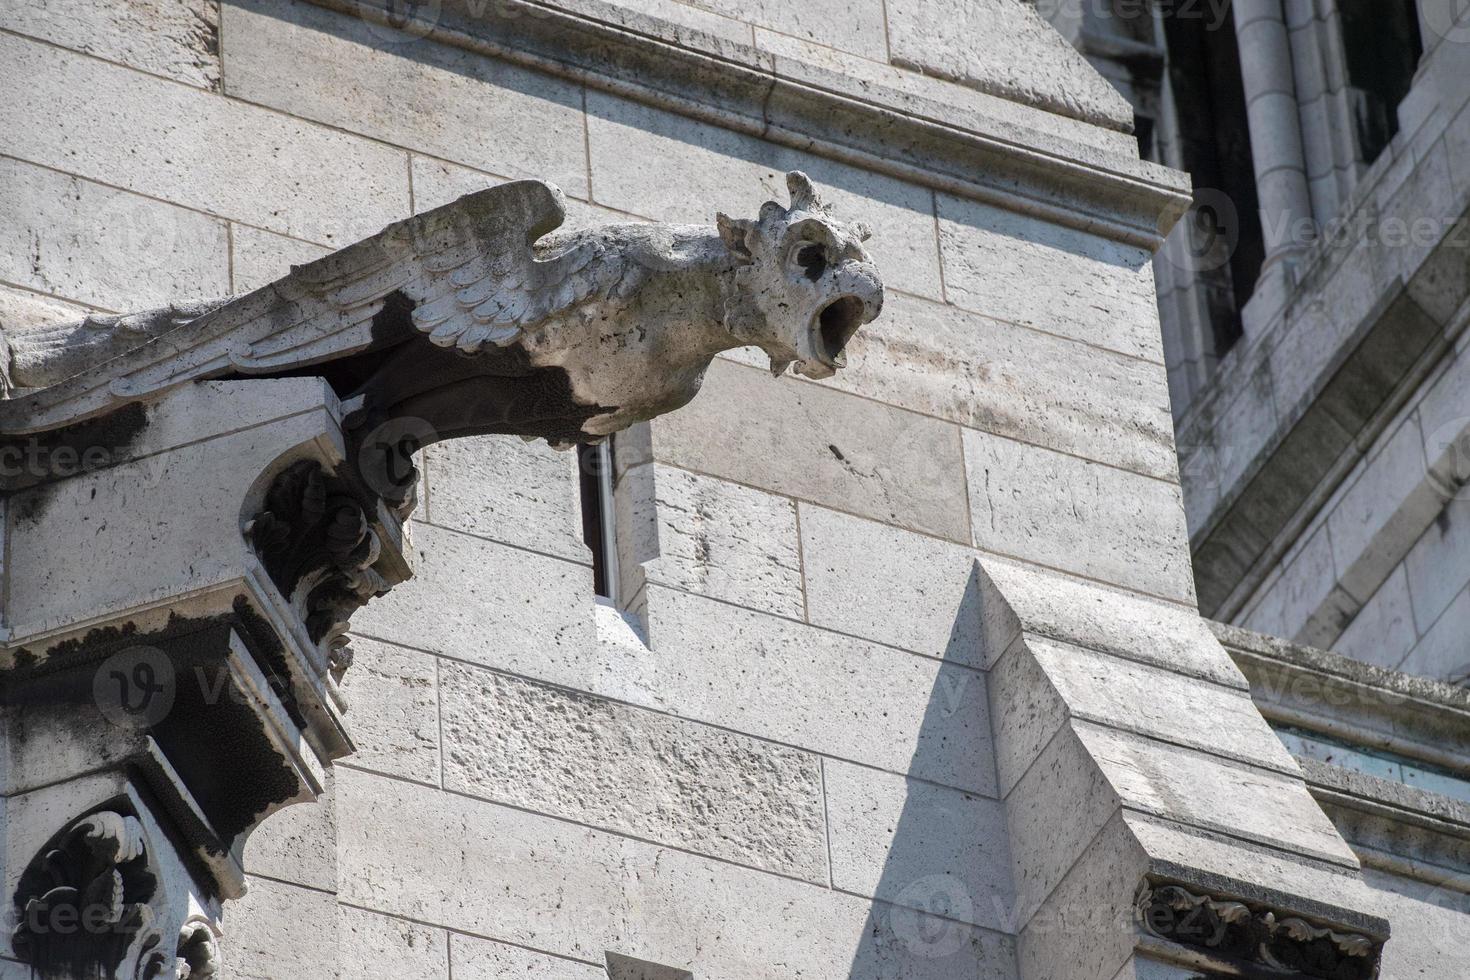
[{"x": 813, "y": 260}]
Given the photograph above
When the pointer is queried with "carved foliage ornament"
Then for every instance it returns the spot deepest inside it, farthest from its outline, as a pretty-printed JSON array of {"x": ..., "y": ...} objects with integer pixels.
[
  {"x": 84, "y": 910},
  {"x": 1289, "y": 946},
  {"x": 319, "y": 548}
]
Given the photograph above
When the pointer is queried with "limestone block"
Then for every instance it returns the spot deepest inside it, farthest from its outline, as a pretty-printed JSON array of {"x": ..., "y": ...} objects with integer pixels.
[
  {"x": 1383, "y": 630},
  {"x": 1086, "y": 929},
  {"x": 1286, "y": 604},
  {"x": 1250, "y": 419},
  {"x": 1098, "y": 291},
  {"x": 164, "y": 532},
  {"x": 721, "y": 170},
  {"x": 565, "y": 890},
  {"x": 393, "y": 702},
  {"x": 278, "y": 930},
  {"x": 727, "y": 542},
  {"x": 1054, "y": 812},
  {"x": 820, "y": 690},
  {"x": 733, "y": 27},
  {"x": 373, "y": 945},
  {"x": 21, "y": 309},
  {"x": 1440, "y": 652},
  {"x": 438, "y": 182},
  {"x": 635, "y": 771},
  {"x": 1438, "y": 566},
  {"x": 506, "y": 489},
  {"x": 1428, "y": 925},
  {"x": 481, "y": 959},
  {"x": 1021, "y": 597},
  {"x": 144, "y": 133},
  {"x": 923, "y": 595},
  {"x": 813, "y": 443},
  {"x": 337, "y": 69},
  {"x": 261, "y": 257},
  {"x": 1006, "y": 49},
  {"x": 848, "y": 26},
  {"x": 178, "y": 39},
  {"x": 298, "y": 844},
  {"x": 1078, "y": 516},
  {"x": 104, "y": 247},
  {"x": 487, "y": 603},
  {"x": 1204, "y": 791},
  {"x": 910, "y": 842},
  {"x": 1030, "y": 702},
  {"x": 1381, "y": 515},
  {"x": 992, "y": 375}
]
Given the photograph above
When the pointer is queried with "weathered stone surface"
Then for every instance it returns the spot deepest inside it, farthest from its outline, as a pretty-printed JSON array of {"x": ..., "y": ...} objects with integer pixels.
[
  {"x": 20, "y": 309},
  {"x": 1204, "y": 791},
  {"x": 104, "y": 247},
  {"x": 1020, "y": 597},
  {"x": 396, "y": 691},
  {"x": 373, "y": 945},
  {"x": 298, "y": 844},
  {"x": 565, "y": 890},
  {"x": 1440, "y": 652},
  {"x": 857, "y": 27},
  {"x": 281, "y": 930},
  {"x": 725, "y": 171},
  {"x": 1160, "y": 704},
  {"x": 634, "y": 771},
  {"x": 501, "y": 487},
  {"x": 437, "y": 182},
  {"x": 907, "y": 841},
  {"x": 178, "y": 39},
  {"x": 1079, "y": 516},
  {"x": 145, "y": 133},
  {"x": 261, "y": 257},
  {"x": 334, "y": 69},
  {"x": 1287, "y": 602},
  {"x": 993, "y": 375},
  {"x": 727, "y": 542},
  {"x": 820, "y": 690},
  {"x": 479, "y": 601},
  {"x": 1383, "y": 630},
  {"x": 481, "y": 959},
  {"x": 1438, "y": 566},
  {"x": 1003, "y": 47},
  {"x": 1099, "y": 291},
  {"x": 821, "y": 445},
  {"x": 925, "y": 599},
  {"x": 1054, "y": 810}
]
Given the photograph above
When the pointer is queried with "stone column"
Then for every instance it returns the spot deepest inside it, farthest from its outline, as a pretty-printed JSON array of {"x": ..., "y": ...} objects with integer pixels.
[{"x": 1275, "y": 126}]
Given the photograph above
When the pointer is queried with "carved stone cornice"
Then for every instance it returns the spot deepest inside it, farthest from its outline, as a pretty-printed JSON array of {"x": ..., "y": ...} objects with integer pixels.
[
  {"x": 1260, "y": 941},
  {"x": 921, "y": 138}
]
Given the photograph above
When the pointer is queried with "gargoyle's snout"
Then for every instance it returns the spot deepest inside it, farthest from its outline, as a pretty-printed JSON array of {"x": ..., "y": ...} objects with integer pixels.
[{"x": 858, "y": 300}]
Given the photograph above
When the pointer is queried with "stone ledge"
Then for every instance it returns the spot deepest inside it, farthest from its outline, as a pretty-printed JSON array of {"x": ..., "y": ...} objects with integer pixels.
[{"x": 813, "y": 108}]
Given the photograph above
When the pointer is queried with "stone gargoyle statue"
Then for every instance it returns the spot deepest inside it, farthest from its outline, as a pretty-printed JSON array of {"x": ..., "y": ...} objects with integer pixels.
[{"x": 477, "y": 318}]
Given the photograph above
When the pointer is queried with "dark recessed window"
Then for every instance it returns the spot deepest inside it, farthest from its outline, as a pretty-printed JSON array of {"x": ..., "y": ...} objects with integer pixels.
[{"x": 1382, "y": 45}]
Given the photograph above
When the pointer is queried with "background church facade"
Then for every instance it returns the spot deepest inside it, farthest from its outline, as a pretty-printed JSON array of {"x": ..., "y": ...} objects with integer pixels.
[{"x": 907, "y": 673}]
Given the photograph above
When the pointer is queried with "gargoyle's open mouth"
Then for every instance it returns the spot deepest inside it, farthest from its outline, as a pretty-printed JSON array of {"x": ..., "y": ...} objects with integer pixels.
[{"x": 838, "y": 321}]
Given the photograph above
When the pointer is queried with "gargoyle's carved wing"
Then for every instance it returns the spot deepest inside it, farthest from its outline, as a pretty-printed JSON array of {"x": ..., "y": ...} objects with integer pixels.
[
  {"x": 469, "y": 270},
  {"x": 499, "y": 296}
]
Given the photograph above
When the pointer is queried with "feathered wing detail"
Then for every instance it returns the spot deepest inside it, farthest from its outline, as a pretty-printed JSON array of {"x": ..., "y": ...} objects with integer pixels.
[{"x": 498, "y": 297}]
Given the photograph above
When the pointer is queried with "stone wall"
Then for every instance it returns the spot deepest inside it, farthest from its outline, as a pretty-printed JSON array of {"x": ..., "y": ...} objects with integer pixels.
[
  {"x": 1324, "y": 466},
  {"x": 880, "y": 716}
]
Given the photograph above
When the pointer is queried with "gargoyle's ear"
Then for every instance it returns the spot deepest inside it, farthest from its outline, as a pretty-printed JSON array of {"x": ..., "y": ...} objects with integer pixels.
[
  {"x": 803, "y": 192},
  {"x": 862, "y": 230},
  {"x": 733, "y": 232}
]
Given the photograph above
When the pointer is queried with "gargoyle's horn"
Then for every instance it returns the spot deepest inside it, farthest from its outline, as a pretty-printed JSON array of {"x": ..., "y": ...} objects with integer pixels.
[{"x": 803, "y": 193}]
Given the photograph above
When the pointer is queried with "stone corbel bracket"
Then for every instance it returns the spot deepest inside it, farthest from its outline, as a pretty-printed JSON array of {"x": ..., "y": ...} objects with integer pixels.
[{"x": 1248, "y": 939}]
